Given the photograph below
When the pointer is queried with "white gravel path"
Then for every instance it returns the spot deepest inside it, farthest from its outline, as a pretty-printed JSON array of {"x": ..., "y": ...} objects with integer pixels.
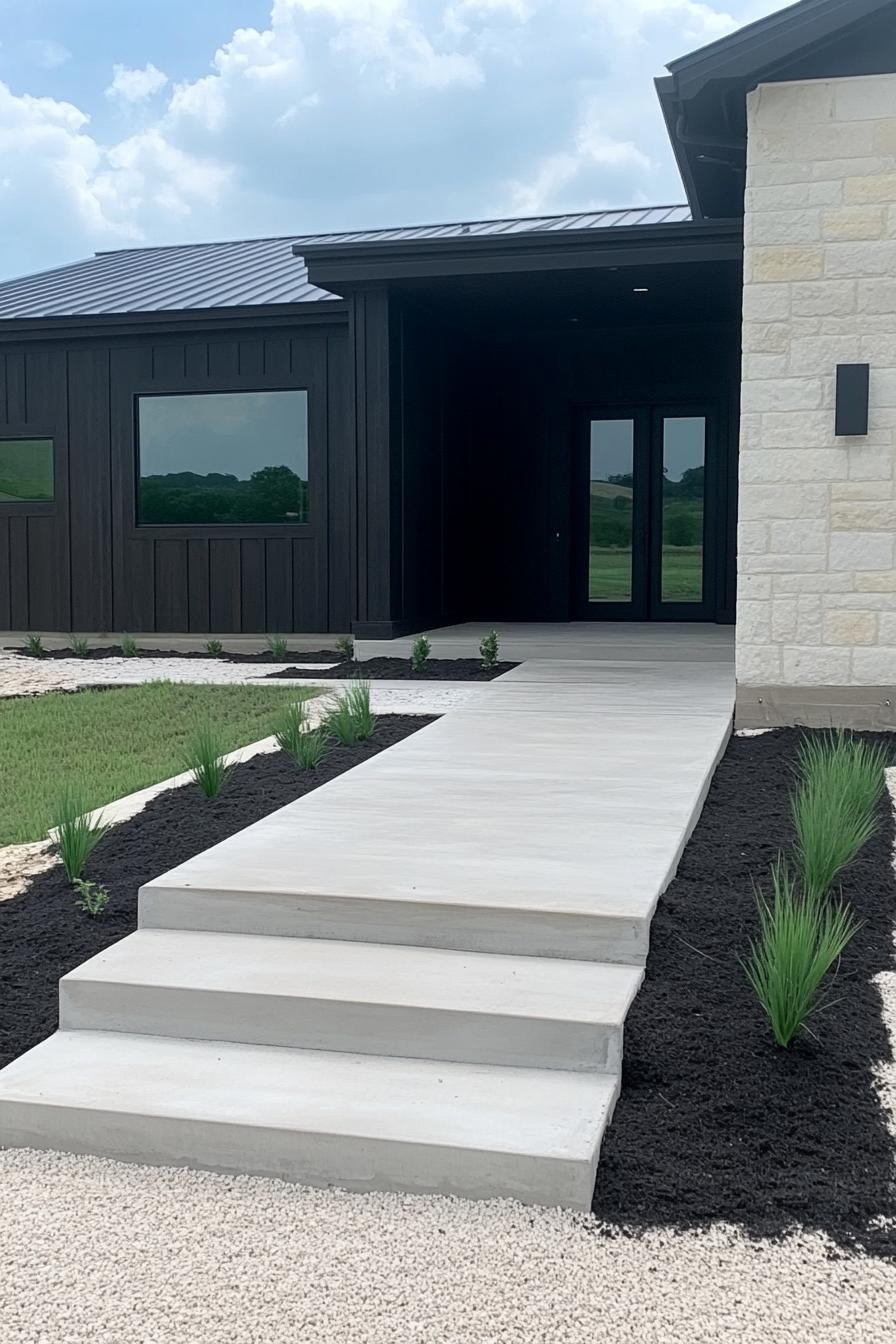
[
  {"x": 100, "y": 1252},
  {"x": 34, "y": 676},
  {"x": 19, "y": 863}
]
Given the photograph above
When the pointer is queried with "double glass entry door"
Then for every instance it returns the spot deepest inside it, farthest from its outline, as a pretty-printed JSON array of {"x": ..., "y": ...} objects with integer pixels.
[{"x": 647, "y": 525}]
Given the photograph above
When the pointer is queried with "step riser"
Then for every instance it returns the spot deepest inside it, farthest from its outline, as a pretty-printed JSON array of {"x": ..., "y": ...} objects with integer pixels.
[
  {"x": 405, "y": 923},
  {"x": 348, "y": 1162},
  {"x": 326, "y": 1024}
]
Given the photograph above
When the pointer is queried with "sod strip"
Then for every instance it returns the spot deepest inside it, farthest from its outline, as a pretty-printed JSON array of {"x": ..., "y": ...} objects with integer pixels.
[
  {"x": 42, "y": 932},
  {"x": 111, "y": 743}
]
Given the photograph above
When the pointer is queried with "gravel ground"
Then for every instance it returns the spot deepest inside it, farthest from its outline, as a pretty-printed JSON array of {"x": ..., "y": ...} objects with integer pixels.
[
  {"x": 34, "y": 676},
  {"x": 18, "y": 863},
  {"x": 100, "y": 1252}
]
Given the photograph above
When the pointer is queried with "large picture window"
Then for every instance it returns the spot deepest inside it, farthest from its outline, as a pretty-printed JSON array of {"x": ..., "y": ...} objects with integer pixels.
[
  {"x": 222, "y": 457},
  {"x": 26, "y": 471}
]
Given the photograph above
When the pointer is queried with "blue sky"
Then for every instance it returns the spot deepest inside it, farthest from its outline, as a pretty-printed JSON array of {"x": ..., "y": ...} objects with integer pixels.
[{"x": 124, "y": 124}]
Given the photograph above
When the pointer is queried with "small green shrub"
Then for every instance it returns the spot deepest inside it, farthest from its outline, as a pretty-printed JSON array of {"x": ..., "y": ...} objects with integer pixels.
[
  {"x": 311, "y": 749},
  {"x": 93, "y": 897},
  {"x": 420, "y": 651},
  {"x": 34, "y": 646},
  {"x": 77, "y": 832},
  {"x": 345, "y": 647},
  {"x": 277, "y": 648},
  {"x": 291, "y": 728},
  {"x": 80, "y": 647},
  {"x": 801, "y": 935},
  {"x": 213, "y": 647},
  {"x": 357, "y": 697},
  {"x": 128, "y": 647},
  {"x": 488, "y": 649},
  {"x": 204, "y": 758},
  {"x": 339, "y": 724},
  {"x": 836, "y": 804},
  {"x": 350, "y": 719}
]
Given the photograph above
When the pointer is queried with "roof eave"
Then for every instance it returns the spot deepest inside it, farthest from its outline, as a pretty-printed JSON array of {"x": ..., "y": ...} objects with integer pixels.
[
  {"x": 753, "y": 50},
  {"x": 64, "y": 326},
  {"x": 344, "y": 264}
]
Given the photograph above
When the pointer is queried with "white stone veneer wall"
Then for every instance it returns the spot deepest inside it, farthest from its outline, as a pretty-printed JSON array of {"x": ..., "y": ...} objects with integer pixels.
[{"x": 817, "y": 518}]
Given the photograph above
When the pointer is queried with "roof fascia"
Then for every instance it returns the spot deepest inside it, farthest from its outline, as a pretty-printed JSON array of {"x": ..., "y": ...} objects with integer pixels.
[
  {"x": 335, "y": 264},
  {"x": 762, "y": 46},
  {"x": 72, "y": 326}
]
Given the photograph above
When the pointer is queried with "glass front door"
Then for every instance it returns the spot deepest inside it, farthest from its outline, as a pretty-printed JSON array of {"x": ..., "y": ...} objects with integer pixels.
[{"x": 646, "y": 520}]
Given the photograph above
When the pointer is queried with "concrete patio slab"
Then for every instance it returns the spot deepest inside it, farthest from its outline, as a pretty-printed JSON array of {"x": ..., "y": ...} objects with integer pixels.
[
  {"x": 590, "y": 640},
  {"x": 543, "y": 819}
]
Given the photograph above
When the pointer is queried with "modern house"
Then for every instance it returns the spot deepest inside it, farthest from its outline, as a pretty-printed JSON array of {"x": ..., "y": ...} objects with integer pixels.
[{"x": 659, "y": 414}]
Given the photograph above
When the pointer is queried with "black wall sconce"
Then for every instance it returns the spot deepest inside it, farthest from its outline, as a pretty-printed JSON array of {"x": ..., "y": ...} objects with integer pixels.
[{"x": 852, "y": 400}]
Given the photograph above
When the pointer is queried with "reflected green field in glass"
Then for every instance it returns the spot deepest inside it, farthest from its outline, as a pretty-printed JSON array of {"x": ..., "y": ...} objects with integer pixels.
[{"x": 610, "y": 574}]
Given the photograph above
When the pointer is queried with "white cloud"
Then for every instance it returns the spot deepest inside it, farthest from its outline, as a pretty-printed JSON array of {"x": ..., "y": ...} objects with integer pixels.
[
  {"x": 351, "y": 113},
  {"x": 61, "y": 188},
  {"x": 694, "y": 22},
  {"x": 583, "y": 176},
  {"x": 135, "y": 86},
  {"x": 47, "y": 53}
]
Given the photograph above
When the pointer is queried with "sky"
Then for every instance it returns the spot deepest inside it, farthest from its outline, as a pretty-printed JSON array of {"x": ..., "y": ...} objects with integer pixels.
[{"x": 126, "y": 124}]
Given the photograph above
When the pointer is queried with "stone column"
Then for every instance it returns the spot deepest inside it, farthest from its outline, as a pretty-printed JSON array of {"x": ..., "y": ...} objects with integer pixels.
[{"x": 816, "y": 621}]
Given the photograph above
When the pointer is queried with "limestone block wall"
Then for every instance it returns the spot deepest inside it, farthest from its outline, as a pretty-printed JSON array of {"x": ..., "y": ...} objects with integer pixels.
[{"x": 817, "y": 514}]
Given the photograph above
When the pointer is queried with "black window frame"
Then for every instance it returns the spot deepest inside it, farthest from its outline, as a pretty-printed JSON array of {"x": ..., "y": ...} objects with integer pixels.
[
  {"x": 32, "y": 507},
  {"x": 211, "y": 530}
]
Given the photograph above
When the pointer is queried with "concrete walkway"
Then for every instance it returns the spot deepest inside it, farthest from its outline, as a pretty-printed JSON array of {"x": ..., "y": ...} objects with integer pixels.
[{"x": 500, "y": 867}]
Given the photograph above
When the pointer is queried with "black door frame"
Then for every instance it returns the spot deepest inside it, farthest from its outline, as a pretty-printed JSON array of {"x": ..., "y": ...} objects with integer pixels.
[{"x": 646, "y": 603}]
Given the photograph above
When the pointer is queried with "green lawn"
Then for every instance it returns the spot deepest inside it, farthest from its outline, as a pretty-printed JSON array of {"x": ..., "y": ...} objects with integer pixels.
[{"x": 110, "y": 743}]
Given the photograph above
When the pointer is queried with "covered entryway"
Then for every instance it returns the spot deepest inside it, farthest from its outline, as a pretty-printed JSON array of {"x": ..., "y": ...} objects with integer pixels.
[{"x": 545, "y": 432}]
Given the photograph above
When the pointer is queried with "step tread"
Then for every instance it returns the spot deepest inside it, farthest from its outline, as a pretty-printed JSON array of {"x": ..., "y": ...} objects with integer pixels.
[
  {"x": 515, "y": 1111},
  {"x": 367, "y": 973}
]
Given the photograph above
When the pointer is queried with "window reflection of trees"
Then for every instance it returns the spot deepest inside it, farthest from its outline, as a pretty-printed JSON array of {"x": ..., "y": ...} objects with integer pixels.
[{"x": 274, "y": 494}]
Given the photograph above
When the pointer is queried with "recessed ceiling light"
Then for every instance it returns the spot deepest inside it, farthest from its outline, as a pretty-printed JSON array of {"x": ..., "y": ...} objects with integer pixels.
[{"x": 641, "y": 291}]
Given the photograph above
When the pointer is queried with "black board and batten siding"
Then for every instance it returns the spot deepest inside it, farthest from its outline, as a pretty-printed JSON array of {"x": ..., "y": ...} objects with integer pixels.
[{"x": 82, "y": 563}]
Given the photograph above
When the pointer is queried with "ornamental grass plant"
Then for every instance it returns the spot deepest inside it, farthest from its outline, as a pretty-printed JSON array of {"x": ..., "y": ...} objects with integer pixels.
[
  {"x": 350, "y": 719},
  {"x": 801, "y": 935},
  {"x": 78, "y": 830},
  {"x": 204, "y": 755},
  {"x": 836, "y": 804},
  {"x": 803, "y": 927}
]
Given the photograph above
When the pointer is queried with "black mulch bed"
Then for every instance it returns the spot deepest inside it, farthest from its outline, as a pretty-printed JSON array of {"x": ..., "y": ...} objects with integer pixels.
[
  {"x": 399, "y": 669},
  {"x": 226, "y": 656},
  {"x": 42, "y": 932},
  {"x": 715, "y": 1122}
]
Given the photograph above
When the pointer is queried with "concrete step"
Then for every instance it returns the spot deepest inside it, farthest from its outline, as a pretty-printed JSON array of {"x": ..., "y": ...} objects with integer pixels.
[
  {"x": 235, "y": 897},
  {"x": 417, "y": 1002},
  {"x": 357, "y": 1121}
]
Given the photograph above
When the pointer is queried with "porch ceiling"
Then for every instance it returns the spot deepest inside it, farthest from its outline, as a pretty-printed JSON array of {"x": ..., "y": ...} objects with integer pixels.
[{"x": 697, "y": 292}]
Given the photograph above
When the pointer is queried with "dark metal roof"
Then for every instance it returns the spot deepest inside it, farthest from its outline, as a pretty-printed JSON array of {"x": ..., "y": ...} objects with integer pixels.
[
  {"x": 249, "y": 273},
  {"x": 761, "y": 46},
  {"x": 165, "y": 279},
  {"x": 481, "y": 228},
  {"x": 704, "y": 97}
]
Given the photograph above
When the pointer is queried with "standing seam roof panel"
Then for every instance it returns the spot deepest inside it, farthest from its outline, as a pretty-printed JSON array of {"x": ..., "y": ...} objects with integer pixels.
[{"x": 252, "y": 272}]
